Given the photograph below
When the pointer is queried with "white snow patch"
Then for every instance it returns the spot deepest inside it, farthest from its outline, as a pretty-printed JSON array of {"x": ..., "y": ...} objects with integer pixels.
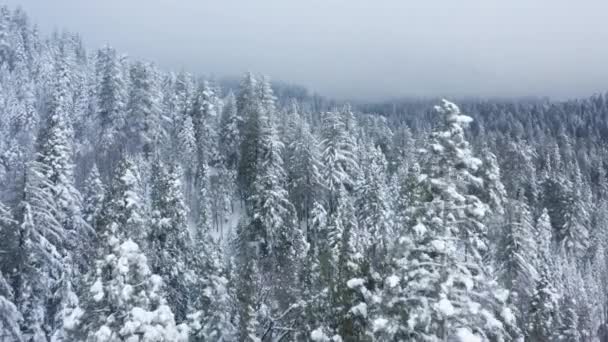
[
  {"x": 72, "y": 320},
  {"x": 359, "y": 310},
  {"x": 318, "y": 335},
  {"x": 438, "y": 245},
  {"x": 419, "y": 229},
  {"x": 445, "y": 307},
  {"x": 355, "y": 282},
  {"x": 466, "y": 335},
  {"x": 464, "y": 119},
  {"x": 104, "y": 334},
  {"x": 97, "y": 290},
  {"x": 129, "y": 247},
  {"x": 508, "y": 316},
  {"x": 380, "y": 324},
  {"x": 392, "y": 281}
]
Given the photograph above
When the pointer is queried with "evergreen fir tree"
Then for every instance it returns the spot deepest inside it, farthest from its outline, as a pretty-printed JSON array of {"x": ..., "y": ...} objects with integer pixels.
[
  {"x": 229, "y": 137},
  {"x": 169, "y": 239},
  {"x": 111, "y": 98},
  {"x": 94, "y": 194},
  {"x": 127, "y": 300}
]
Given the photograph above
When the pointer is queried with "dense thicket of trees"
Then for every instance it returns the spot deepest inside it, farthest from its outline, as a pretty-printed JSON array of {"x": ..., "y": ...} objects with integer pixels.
[{"x": 141, "y": 205}]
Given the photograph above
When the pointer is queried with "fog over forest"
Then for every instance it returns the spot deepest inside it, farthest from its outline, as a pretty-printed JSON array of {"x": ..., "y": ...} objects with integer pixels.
[{"x": 358, "y": 49}]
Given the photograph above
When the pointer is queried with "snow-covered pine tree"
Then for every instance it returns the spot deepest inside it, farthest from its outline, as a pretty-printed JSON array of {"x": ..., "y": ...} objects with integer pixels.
[
  {"x": 408, "y": 193},
  {"x": 275, "y": 217},
  {"x": 37, "y": 257},
  {"x": 204, "y": 117},
  {"x": 169, "y": 241},
  {"x": 143, "y": 108},
  {"x": 573, "y": 235},
  {"x": 516, "y": 254},
  {"x": 126, "y": 300},
  {"x": 315, "y": 294},
  {"x": 493, "y": 192},
  {"x": 250, "y": 110},
  {"x": 111, "y": 101},
  {"x": 229, "y": 137},
  {"x": 374, "y": 211},
  {"x": 268, "y": 100},
  {"x": 353, "y": 275},
  {"x": 336, "y": 156},
  {"x": 51, "y": 225},
  {"x": 124, "y": 207},
  {"x": 94, "y": 193},
  {"x": 441, "y": 277},
  {"x": 304, "y": 171},
  {"x": 249, "y": 284},
  {"x": 402, "y": 149},
  {"x": 10, "y": 317},
  {"x": 211, "y": 293},
  {"x": 542, "y": 318},
  {"x": 568, "y": 329},
  {"x": 187, "y": 146}
]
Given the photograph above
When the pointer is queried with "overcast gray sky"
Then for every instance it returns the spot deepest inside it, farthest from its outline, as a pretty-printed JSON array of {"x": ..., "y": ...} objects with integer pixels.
[{"x": 359, "y": 49}]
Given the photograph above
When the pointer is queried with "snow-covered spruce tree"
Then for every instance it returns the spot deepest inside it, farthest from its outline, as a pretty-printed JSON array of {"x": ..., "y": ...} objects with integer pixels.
[
  {"x": 555, "y": 198},
  {"x": 124, "y": 206},
  {"x": 209, "y": 290},
  {"x": 568, "y": 329},
  {"x": 519, "y": 171},
  {"x": 249, "y": 283},
  {"x": 126, "y": 301},
  {"x": 187, "y": 147},
  {"x": 250, "y": 110},
  {"x": 304, "y": 171},
  {"x": 350, "y": 288},
  {"x": 229, "y": 137},
  {"x": 573, "y": 236},
  {"x": 9, "y": 234},
  {"x": 340, "y": 260},
  {"x": 30, "y": 276},
  {"x": 111, "y": 101},
  {"x": 143, "y": 108},
  {"x": 204, "y": 217},
  {"x": 55, "y": 153},
  {"x": 516, "y": 255},
  {"x": 168, "y": 238},
  {"x": 69, "y": 312},
  {"x": 267, "y": 99},
  {"x": 493, "y": 192},
  {"x": 542, "y": 315},
  {"x": 402, "y": 149},
  {"x": 211, "y": 318},
  {"x": 204, "y": 117},
  {"x": 10, "y": 317},
  {"x": 408, "y": 193},
  {"x": 444, "y": 288},
  {"x": 275, "y": 216},
  {"x": 186, "y": 157},
  {"x": 337, "y": 157},
  {"x": 51, "y": 228},
  {"x": 94, "y": 193},
  {"x": 543, "y": 318},
  {"x": 373, "y": 208},
  {"x": 315, "y": 293}
]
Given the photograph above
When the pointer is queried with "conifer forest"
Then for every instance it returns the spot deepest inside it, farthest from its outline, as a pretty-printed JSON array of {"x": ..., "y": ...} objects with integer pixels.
[{"x": 143, "y": 204}]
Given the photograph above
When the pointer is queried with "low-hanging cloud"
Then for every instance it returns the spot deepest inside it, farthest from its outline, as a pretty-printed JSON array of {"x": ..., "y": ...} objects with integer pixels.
[{"x": 359, "y": 49}]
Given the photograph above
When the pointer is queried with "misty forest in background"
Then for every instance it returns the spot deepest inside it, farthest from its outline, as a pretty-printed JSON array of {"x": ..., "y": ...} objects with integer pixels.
[{"x": 138, "y": 204}]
